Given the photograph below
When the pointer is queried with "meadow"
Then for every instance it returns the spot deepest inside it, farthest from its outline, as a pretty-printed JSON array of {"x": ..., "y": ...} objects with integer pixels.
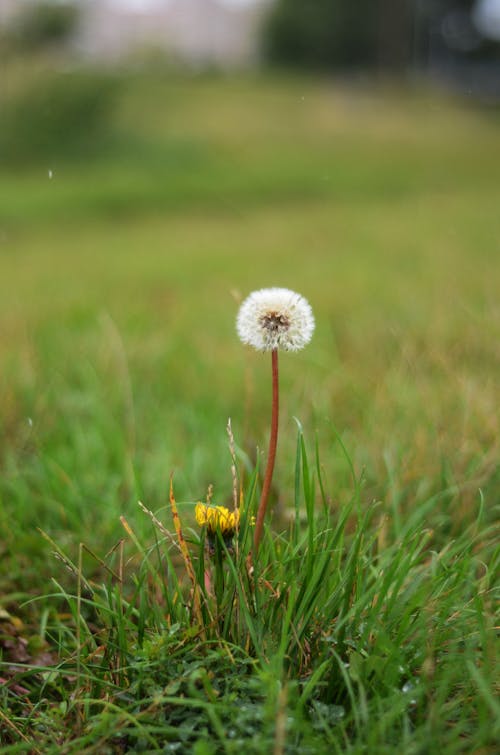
[{"x": 369, "y": 622}]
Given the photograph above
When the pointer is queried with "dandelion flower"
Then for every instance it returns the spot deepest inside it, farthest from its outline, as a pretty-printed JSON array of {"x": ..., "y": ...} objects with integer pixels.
[
  {"x": 275, "y": 318},
  {"x": 217, "y": 518},
  {"x": 269, "y": 320}
]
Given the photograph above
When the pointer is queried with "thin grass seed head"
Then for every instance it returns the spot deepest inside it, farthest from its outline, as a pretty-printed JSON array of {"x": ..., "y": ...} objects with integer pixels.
[{"x": 275, "y": 318}]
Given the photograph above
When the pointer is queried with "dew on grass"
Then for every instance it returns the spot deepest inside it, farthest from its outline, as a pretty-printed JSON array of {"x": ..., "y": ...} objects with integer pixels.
[
  {"x": 407, "y": 688},
  {"x": 324, "y": 712}
]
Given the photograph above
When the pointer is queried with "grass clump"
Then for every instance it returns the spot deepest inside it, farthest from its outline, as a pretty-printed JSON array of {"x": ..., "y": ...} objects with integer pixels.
[{"x": 336, "y": 638}]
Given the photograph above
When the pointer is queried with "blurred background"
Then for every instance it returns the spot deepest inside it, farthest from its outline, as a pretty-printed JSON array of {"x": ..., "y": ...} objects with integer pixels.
[
  {"x": 455, "y": 43},
  {"x": 457, "y": 40},
  {"x": 159, "y": 159}
]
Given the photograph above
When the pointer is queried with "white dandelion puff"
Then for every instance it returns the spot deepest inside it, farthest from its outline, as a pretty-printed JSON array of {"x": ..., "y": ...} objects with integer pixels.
[
  {"x": 269, "y": 320},
  {"x": 275, "y": 318}
]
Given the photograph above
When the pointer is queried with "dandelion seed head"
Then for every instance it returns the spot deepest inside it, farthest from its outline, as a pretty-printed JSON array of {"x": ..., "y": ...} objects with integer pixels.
[{"x": 275, "y": 318}]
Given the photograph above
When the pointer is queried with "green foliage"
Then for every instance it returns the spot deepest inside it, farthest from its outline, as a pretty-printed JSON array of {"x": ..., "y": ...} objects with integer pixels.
[
  {"x": 322, "y": 33},
  {"x": 329, "y": 640},
  {"x": 42, "y": 24},
  {"x": 56, "y": 115}
]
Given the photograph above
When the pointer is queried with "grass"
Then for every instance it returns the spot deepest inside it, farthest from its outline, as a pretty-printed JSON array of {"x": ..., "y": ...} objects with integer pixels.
[{"x": 368, "y": 623}]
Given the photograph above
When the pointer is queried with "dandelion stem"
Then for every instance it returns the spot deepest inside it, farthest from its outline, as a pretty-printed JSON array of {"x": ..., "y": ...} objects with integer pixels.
[{"x": 271, "y": 456}]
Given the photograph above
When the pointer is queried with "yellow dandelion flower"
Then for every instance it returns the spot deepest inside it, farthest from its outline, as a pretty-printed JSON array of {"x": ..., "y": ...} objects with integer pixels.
[{"x": 217, "y": 518}]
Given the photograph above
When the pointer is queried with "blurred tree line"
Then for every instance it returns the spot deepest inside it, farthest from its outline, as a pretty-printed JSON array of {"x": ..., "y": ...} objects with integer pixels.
[
  {"x": 390, "y": 35},
  {"x": 57, "y": 111},
  {"x": 40, "y": 24},
  {"x": 387, "y": 34},
  {"x": 50, "y": 112}
]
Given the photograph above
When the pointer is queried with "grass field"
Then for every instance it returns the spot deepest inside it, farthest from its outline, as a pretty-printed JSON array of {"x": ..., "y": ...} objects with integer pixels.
[{"x": 369, "y": 626}]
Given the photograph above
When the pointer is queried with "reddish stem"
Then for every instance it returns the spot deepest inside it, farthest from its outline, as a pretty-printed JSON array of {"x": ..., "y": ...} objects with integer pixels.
[{"x": 271, "y": 456}]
